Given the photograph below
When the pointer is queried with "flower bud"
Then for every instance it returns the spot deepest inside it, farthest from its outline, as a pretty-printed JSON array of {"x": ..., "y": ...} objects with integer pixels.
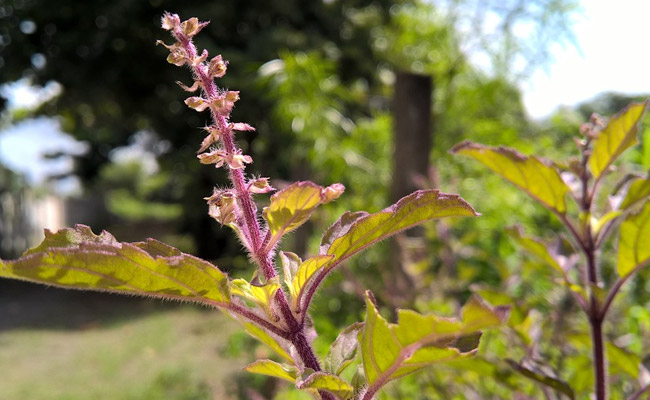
[
  {"x": 213, "y": 136},
  {"x": 169, "y": 47},
  {"x": 169, "y": 21},
  {"x": 190, "y": 27},
  {"x": 239, "y": 161},
  {"x": 177, "y": 56},
  {"x": 260, "y": 186},
  {"x": 232, "y": 96},
  {"x": 199, "y": 59},
  {"x": 224, "y": 103},
  {"x": 240, "y": 126},
  {"x": 197, "y": 103},
  {"x": 192, "y": 88},
  {"x": 332, "y": 192},
  {"x": 217, "y": 67},
  {"x": 222, "y": 206},
  {"x": 214, "y": 157}
]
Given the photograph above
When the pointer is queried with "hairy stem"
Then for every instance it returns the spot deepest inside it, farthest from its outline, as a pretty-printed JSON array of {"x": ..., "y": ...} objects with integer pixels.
[{"x": 249, "y": 225}]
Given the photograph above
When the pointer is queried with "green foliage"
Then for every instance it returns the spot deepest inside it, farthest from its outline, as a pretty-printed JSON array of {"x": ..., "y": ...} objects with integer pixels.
[
  {"x": 391, "y": 351},
  {"x": 316, "y": 103},
  {"x": 619, "y": 135},
  {"x": 634, "y": 242},
  {"x": 584, "y": 265},
  {"x": 77, "y": 258}
]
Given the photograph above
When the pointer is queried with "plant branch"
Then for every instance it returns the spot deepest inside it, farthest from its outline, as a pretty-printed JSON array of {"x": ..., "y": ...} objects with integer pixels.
[
  {"x": 220, "y": 105},
  {"x": 616, "y": 288},
  {"x": 594, "y": 311},
  {"x": 256, "y": 319},
  {"x": 637, "y": 395}
]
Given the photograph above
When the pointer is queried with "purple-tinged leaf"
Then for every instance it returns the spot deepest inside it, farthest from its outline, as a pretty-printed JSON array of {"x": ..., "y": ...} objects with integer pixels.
[
  {"x": 618, "y": 136},
  {"x": 293, "y": 206},
  {"x": 79, "y": 259},
  {"x": 535, "y": 176},
  {"x": 354, "y": 232}
]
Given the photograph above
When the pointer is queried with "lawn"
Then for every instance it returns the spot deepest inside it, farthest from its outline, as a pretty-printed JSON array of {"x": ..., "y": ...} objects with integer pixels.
[{"x": 67, "y": 345}]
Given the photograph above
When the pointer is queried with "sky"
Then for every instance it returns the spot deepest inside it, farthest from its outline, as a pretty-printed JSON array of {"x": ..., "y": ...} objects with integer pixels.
[{"x": 611, "y": 55}]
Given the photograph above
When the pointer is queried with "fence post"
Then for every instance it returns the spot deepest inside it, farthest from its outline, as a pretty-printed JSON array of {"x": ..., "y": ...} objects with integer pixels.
[{"x": 412, "y": 138}]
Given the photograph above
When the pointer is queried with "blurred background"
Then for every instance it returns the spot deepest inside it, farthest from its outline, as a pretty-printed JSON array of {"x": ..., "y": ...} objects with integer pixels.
[{"x": 93, "y": 130}]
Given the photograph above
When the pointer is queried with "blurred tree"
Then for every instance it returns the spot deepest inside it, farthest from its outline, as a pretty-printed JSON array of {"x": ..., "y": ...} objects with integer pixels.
[{"x": 117, "y": 84}]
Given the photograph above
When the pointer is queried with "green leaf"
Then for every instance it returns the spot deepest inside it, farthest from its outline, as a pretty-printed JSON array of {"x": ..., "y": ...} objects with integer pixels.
[
  {"x": 619, "y": 360},
  {"x": 354, "y": 232},
  {"x": 622, "y": 360},
  {"x": 290, "y": 264},
  {"x": 535, "y": 176},
  {"x": 262, "y": 295},
  {"x": 618, "y": 136},
  {"x": 70, "y": 238},
  {"x": 293, "y": 206},
  {"x": 637, "y": 192},
  {"x": 261, "y": 335},
  {"x": 276, "y": 370},
  {"x": 634, "y": 242},
  {"x": 599, "y": 224},
  {"x": 328, "y": 382},
  {"x": 535, "y": 373},
  {"x": 535, "y": 247},
  {"x": 77, "y": 258},
  {"x": 390, "y": 351},
  {"x": 305, "y": 273},
  {"x": 343, "y": 350},
  {"x": 298, "y": 274}
]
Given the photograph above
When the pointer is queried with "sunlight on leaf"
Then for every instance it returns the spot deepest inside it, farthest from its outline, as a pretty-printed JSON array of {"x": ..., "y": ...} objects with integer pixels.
[
  {"x": 390, "y": 351},
  {"x": 293, "y": 206},
  {"x": 77, "y": 258},
  {"x": 274, "y": 369},
  {"x": 535, "y": 176},
  {"x": 618, "y": 136},
  {"x": 599, "y": 224},
  {"x": 260, "y": 295},
  {"x": 354, "y": 232},
  {"x": 305, "y": 273},
  {"x": 324, "y": 381},
  {"x": 634, "y": 242}
]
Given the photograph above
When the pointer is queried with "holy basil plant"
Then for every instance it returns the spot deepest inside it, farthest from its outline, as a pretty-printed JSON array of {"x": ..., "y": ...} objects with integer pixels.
[
  {"x": 274, "y": 305},
  {"x": 600, "y": 202}
]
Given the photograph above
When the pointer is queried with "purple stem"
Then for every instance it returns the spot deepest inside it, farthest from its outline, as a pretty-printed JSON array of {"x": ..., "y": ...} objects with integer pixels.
[{"x": 251, "y": 229}]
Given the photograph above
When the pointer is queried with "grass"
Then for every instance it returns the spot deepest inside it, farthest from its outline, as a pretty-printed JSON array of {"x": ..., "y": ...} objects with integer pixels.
[{"x": 166, "y": 352}]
